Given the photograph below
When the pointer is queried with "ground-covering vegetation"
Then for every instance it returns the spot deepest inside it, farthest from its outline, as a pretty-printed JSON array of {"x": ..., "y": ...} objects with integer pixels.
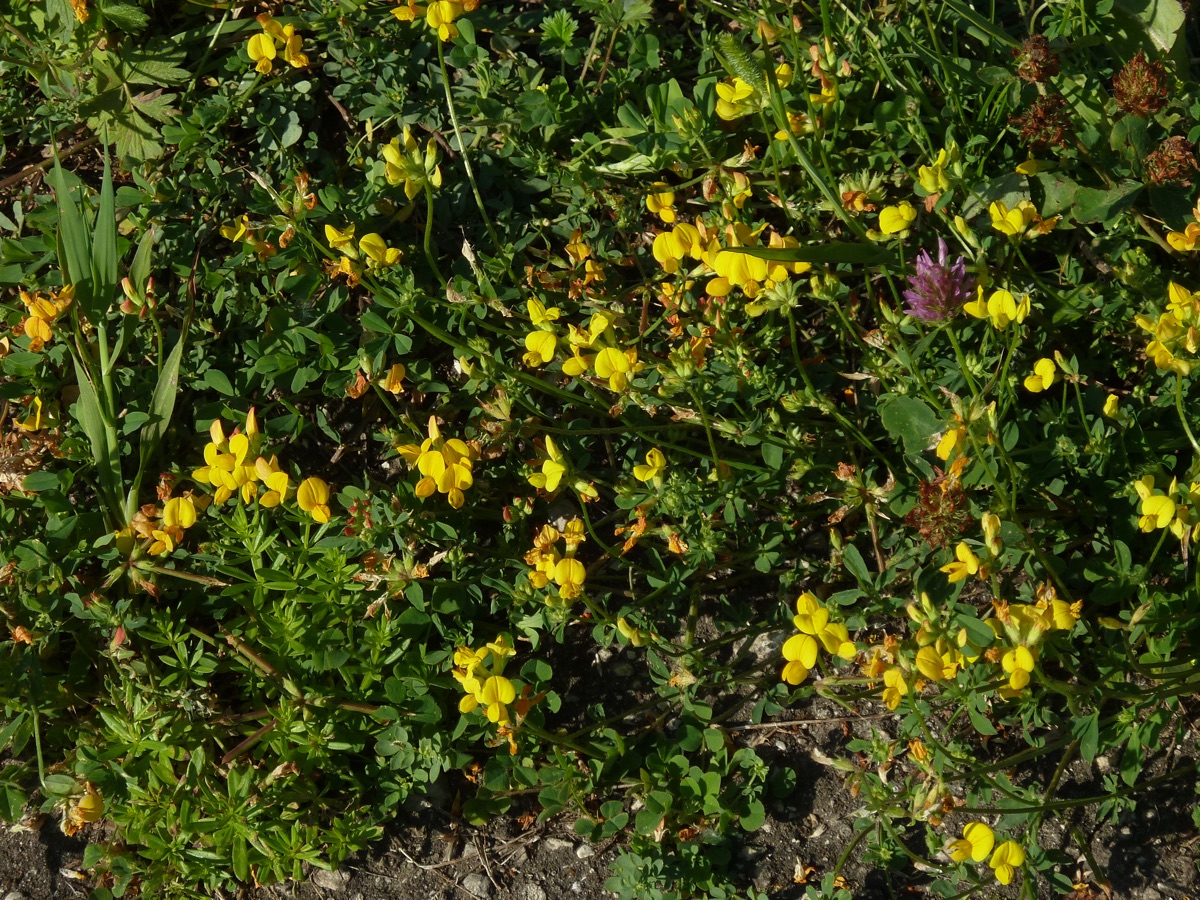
[{"x": 374, "y": 375}]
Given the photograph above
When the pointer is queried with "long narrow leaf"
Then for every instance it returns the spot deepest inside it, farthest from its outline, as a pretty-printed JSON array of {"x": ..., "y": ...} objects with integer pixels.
[
  {"x": 90, "y": 416},
  {"x": 104, "y": 246},
  {"x": 74, "y": 243},
  {"x": 162, "y": 408}
]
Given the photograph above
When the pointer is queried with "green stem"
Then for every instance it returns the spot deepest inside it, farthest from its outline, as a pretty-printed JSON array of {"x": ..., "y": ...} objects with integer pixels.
[
  {"x": 1182, "y": 416},
  {"x": 462, "y": 147},
  {"x": 428, "y": 242}
]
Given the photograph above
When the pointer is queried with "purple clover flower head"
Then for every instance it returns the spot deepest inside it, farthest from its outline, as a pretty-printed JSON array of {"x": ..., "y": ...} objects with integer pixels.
[{"x": 937, "y": 290}]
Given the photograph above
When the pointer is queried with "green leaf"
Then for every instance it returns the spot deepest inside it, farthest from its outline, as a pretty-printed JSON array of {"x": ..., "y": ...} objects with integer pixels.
[
  {"x": 104, "y": 246},
  {"x": 90, "y": 416},
  {"x": 40, "y": 481},
  {"x": 754, "y": 819},
  {"x": 1158, "y": 20},
  {"x": 856, "y": 565},
  {"x": 131, "y": 20},
  {"x": 909, "y": 420},
  {"x": 74, "y": 242}
]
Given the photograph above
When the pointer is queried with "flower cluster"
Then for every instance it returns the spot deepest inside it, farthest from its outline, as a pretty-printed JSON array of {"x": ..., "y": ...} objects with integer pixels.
[
  {"x": 405, "y": 163},
  {"x": 815, "y": 631},
  {"x": 722, "y": 254},
  {"x": 737, "y": 98},
  {"x": 1021, "y": 221},
  {"x": 562, "y": 569},
  {"x": 937, "y": 290},
  {"x": 481, "y": 674},
  {"x": 439, "y": 15},
  {"x": 265, "y": 46},
  {"x": 943, "y": 173},
  {"x": 1172, "y": 509},
  {"x": 1176, "y": 332},
  {"x": 553, "y": 469},
  {"x": 234, "y": 465},
  {"x": 1024, "y": 626},
  {"x": 593, "y": 348},
  {"x": 243, "y": 232},
  {"x": 42, "y": 310},
  {"x": 977, "y": 842},
  {"x": 372, "y": 250},
  {"x": 1002, "y": 308},
  {"x": 445, "y": 465}
]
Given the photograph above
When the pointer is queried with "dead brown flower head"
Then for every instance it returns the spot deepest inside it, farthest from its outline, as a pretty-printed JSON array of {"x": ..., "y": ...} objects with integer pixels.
[
  {"x": 1036, "y": 62},
  {"x": 1046, "y": 123},
  {"x": 1141, "y": 87},
  {"x": 1174, "y": 162}
]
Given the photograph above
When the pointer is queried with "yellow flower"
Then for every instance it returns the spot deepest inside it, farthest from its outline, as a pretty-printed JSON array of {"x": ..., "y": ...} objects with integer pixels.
[
  {"x": 379, "y": 254},
  {"x": 655, "y": 463},
  {"x": 672, "y": 247},
  {"x": 261, "y": 49},
  {"x": 1020, "y": 221},
  {"x": 897, "y": 219},
  {"x": 497, "y": 691},
  {"x": 408, "y": 12},
  {"x": 934, "y": 665},
  {"x": 895, "y": 688},
  {"x": 1018, "y": 663},
  {"x": 540, "y": 347},
  {"x": 440, "y": 16},
  {"x": 815, "y": 631},
  {"x": 275, "y": 479},
  {"x": 393, "y": 381},
  {"x": 342, "y": 241},
  {"x": 179, "y": 512},
  {"x": 975, "y": 844},
  {"x": 616, "y": 366},
  {"x": 313, "y": 497},
  {"x": 445, "y": 465},
  {"x": 1110, "y": 406},
  {"x": 661, "y": 201},
  {"x": 735, "y": 98},
  {"x": 553, "y": 469},
  {"x": 406, "y": 164},
  {"x": 934, "y": 178},
  {"x": 84, "y": 810},
  {"x": 539, "y": 315},
  {"x": 1186, "y": 240},
  {"x": 966, "y": 564},
  {"x": 950, "y": 440},
  {"x": 1005, "y": 861},
  {"x": 1044, "y": 372},
  {"x": 1001, "y": 308},
  {"x": 569, "y": 574},
  {"x": 634, "y": 635}
]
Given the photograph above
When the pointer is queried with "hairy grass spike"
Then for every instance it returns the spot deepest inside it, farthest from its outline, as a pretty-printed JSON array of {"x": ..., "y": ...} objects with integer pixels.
[{"x": 740, "y": 63}]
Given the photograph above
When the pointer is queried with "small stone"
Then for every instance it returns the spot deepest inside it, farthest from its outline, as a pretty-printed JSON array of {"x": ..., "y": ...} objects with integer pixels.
[
  {"x": 554, "y": 844},
  {"x": 1150, "y": 894},
  {"x": 330, "y": 881},
  {"x": 478, "y": 885},
  {"x": 15, "y": 895},
  {"x": 585, "y": 851},
  {"x": 529, "y": 891}
]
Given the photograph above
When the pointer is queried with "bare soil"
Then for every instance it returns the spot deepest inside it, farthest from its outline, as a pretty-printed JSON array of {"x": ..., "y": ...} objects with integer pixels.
[{"x": 427, "y": 854}]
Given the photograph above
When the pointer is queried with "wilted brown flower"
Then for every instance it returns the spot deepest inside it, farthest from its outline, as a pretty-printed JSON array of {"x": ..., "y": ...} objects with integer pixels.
[
  {"x": 1036, "y": 62},
  {"x": 941, "y": 513},
  {"x": 1174, "y": 162},
  {"x": 1141, "y": 87},
  {"x": 1046, "y": 123}
]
